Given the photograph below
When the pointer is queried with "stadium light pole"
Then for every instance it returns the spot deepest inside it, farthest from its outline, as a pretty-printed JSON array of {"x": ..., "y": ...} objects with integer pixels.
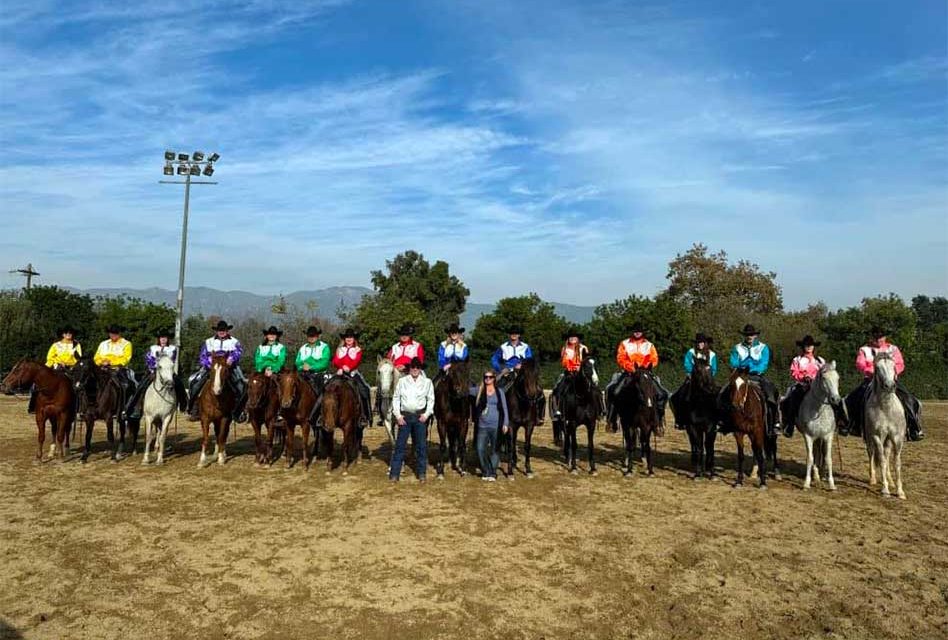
[{"x": 184, "y": 165}]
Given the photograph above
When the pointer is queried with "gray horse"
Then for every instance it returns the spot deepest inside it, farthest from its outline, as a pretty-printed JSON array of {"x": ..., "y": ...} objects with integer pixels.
[
  {"x": 884, "y": 431},
  {"x": 159, "y": 407},
  {"x": 817, "y": 422}
]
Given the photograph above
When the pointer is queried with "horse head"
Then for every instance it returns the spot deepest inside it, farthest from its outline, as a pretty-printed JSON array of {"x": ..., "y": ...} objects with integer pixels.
[
  {"x": 84, "y": 376},
  {"x": 740, "y": 387},
  {"x": 220, "y": 373},
  {"x": 18, "y": 377},
  {"x": 529, "y": 377},
  {"x": 458, "y": 379},
  {"x": 288, "y": 384},
  {"x": 257, "y": 386},
  {"x": 701, "y": 377},
  {"x": 884, "y": 372},
  {"x": 643, "y": 386},
  {"x": 588, "y": 369},
  {"x": 385, "y": 376},
  {"x": 164, "y": 372},
  {"x": 828, "y": 381}
]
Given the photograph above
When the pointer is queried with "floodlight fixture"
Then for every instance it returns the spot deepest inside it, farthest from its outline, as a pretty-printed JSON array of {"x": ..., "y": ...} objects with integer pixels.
[
  {"x": 214, "y": 157},
  {"x": 197, "y": 156},
  {"x": 209, "y": 170},
  {"x": 182, "y": 170},
  {"x": 169, "y": 170},
  {"x": 195, "y": 170},
  {"x": 182, "y": 157},
  {"x": 169, "y": 155}
]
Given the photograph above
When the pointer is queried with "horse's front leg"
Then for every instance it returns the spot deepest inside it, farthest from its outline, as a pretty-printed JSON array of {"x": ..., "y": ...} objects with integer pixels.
[
  {"x": 808, "y": 442},
  {"x": 442, "y": 450},
  {"x": 115, "y": 442},
  {"x": 771, "y": 448},
  {"x": 511, "y": 450},
  {"x": 570, "y": 434},
  {"x": 289, "y": 446},
  {"x": 646, "y": 438},
  {"x": 828, "y": 447},
  {"x": 257, "y": 438},
  {"x": 629, "y": 450},
  {"x": 149, "y": 432},
  {"x": 132, "y": 426},
  {"x": 222, "y": 434},
  {"x": 527, "y": 446},
  {"x": 330, "y": 436},
  {"x": 205, "y": 441},
  {"x": 759, "y": 446},
  {"x": 709, "y": 437},
  {"x": 739, "y": 437},
  {"x": 591, "y": 433},
  {"x": 87, "y": 446},
  {"x": 694, "y": 443},
  {"x": 306, "y": 457},
  {"x": 160, "y": 439}
]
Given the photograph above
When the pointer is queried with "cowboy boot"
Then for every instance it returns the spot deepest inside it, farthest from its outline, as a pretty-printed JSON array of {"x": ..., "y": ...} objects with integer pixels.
[{"x": 842, "y": 422}]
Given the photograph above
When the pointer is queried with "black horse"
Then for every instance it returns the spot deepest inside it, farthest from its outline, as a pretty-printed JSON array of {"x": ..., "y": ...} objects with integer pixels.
[
  {"x": 637, "y": 406},
  {"x": 453, "y": 413},
  {"x": 699, "y": 414},
  {"x": 524, "y": 399},
  {"x": 102, "y": 397},
  {"x": 579, "y": 404}
]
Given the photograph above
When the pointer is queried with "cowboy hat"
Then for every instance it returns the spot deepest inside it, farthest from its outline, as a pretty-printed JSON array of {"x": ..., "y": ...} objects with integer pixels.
[
  {"x": 700, "y": 337},
  {"x": 114, "y": 328},
  {"x": 349, "y": 332},
  {"x": 571, "y": 332},
  {"x": 271, "y": 330},
  {"x": 808, "y": 341},
  {"x": 454, "y": 328},
  {"x": 878, "y": 332},
  {"x": 66, "y": 329},
  {"x": 223, "y": 326},
  {"x": 750, "y": 330},
  {"x": 406, "y": 330},
  {"x": 163, "y": 333},
  {"x": 635, "y": 327},
  {"x": 515, "y": 329},
  {"x": 313, "y": 330}
]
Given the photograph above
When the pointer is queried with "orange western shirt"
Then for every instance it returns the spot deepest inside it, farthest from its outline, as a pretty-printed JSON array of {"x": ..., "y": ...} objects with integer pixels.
[
  {"x": 571, "y": 356},
  {"x": 633, "y": 354}
]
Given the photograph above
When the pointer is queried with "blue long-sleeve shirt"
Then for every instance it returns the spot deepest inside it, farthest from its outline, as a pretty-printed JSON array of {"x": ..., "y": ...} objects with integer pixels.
[
  {"x": 509, "y": 355},
  {"x": 690, "y": 362},
  {"x": 450, "y": 352},
  {"x": 755, "y": 357}
]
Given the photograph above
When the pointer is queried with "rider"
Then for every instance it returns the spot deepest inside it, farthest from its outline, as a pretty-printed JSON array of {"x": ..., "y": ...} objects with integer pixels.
[
  {"x": 401, "y": 355},
  {"x": 571, "y": 359},
  {"x": 116, "y": 354},
  {"x": 804, "y": 369},
  {"x": 270, "y": 355},
  {"x": 346, "y": 361},
  {"x": 701, "y": 351},
  {"x": 313, "y": 358},
  {"x": 508, "y": 358},
  {"x": 753, "y": 355},
  {"x": 450, "y": 351},
  {"x": 219, "y": 344},
  {"x": 162, "y": 347},
  {"x": 856, "y": 401},
  {"x": 633, "y": 353},
  {"x": 62, "y": 356}
]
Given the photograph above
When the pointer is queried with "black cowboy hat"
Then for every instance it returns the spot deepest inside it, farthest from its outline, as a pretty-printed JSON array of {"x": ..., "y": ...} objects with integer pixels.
[
  {"x": 163, "y": 333},
  {"x": 878, "y": 332},
  {"x": 223, "y": 326},
  {"x": 750, "y": 330},
  {"x": 416, "y": 363},
  {"x": 66, "y": 329},
  {"x": 572, "y": 331},
  {"x": 635, "y": 327},
  {"x": 406, "y": 330},
  {"x": 808, "y": 341},
  {"x": 313, "y": 330},
  {"x": 454, "y": 328},
  {"x": 114, "y": 328},
  {"x": 700, "y": 337},
  {"x": 515, "y": 328},
  {"x": 349, "y": 332},
  {"x": 272, "y": 330}
]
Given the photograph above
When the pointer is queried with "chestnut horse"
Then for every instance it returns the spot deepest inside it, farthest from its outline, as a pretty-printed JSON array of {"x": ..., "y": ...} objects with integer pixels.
[
  {"x": 263, "y": 407},
  {"x": 749, "y": 416},
  {"x": 216, "y": 404},
  {"x": 580, "y": 406},
  {"x": 341, "y": 410},
  {"x": 453, "y": 412},
  {"x": 638, "y": 413},
  {"x": 101, "y": 398},
  {"x": 297, "y": 406},
  {"x": 55, "y": 402},
  {"x": 523, "y": 397}
]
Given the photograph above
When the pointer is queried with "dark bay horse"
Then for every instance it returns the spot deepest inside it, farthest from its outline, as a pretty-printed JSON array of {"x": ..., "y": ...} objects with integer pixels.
[
  {"x": 638, "y": 413},
  {"x": 297, "y": 406},
  {"x": 453, "y": 412},
  {"x": 522, "y": 404},
  {"x": 749, "y": 416},
  {"x": 216, "y": 407},
  {"x": 55, "y": 402},
  {"x": 263, "y": 407},
  {"x": 341, "y": 410},
  {"x": 579, "y": 405},
  {"x": 701, "y": 419},
  {"x": 101, "y": 398}
]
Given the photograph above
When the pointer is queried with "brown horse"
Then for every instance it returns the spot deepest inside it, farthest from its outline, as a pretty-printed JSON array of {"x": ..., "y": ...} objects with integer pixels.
[
  {"x": 263, "y": 407},
  {"x": 524, "y": 399},
  {"x": 453, "y": 412},
  {"x": 55, "y": 402},
  {"x": 638, "y": 414},
  {"x": 216, "y": 406},
  {"x": 297, "y": 405},
  {"x": 749, "y": 415},
  {"x": 342, "y": 410},
  {"x": 101, "y": 398}
]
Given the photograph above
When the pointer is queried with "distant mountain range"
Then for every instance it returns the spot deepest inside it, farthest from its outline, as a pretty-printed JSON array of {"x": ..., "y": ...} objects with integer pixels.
[{"x": 234, "y": 305}]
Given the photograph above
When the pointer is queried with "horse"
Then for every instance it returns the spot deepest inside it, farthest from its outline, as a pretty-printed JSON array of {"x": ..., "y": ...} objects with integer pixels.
[
  {"x": 158, "y": 408},
  {"x": 342, "y": 410},
  {"x": 55, "y": 403},
  {"x": 522, "y": 397},
  {"x": 216, "y": 404},
  {"x": 452, "y": 410},
  {"x": 100, "y": 398},
  {"x": 817, "y": 423},
  {"x": 579, "y": 405},
  {"x": 701, "y": 403},
  {"x": 638, "y": 413},
  {"x": 386, "y": 376},
  {"x": 297, "y": 406},
  {"x": 263, "y": 407},
  {"x": 749, "y": 415},
  {"x": 884, "y": 425}
]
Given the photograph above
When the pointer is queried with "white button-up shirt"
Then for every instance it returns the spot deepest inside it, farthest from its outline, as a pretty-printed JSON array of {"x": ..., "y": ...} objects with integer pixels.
[{"x": 413, "y": 395}]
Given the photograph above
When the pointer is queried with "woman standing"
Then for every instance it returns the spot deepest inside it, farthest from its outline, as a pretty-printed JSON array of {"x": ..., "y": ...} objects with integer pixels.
[{"x": 490, "y": 417}]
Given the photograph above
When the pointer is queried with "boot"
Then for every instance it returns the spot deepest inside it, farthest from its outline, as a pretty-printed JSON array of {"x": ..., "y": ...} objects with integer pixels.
[
  {"x": 180, "y": 393},
  {"x": 788, "y": 429},
  {"x": 842, "y": 422},
  {"x": 613, "y": 418},
  {"x": 31, "y": 406},
  {"x": 660, "y": 428},
  {"x": 913, "y": 426}
]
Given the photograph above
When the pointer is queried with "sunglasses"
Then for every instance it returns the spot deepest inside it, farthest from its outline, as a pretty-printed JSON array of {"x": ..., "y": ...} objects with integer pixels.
[{"x": 488, "y": 377}]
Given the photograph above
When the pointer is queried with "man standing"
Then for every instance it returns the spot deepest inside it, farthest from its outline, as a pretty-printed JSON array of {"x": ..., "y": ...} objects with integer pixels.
[{"x": 412, "y": 404}]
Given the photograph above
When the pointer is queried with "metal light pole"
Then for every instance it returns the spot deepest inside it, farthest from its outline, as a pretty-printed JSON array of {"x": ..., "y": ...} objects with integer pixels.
[{"x": 187, "y": 167}]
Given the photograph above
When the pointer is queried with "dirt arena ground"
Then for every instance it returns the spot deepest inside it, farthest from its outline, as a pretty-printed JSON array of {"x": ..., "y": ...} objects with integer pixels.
[{"x": 124, "y": 551}]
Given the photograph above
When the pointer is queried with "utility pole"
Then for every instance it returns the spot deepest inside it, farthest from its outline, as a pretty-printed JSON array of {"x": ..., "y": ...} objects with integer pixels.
[{"x": 27, "y": 271}]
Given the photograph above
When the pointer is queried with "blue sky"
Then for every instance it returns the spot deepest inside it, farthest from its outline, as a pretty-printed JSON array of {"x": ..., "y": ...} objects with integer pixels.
[{"x": 567, "y": 148}]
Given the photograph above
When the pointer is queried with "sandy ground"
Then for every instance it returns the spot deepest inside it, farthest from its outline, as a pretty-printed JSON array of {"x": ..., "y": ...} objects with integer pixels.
[{"x": 119, "y": 550}]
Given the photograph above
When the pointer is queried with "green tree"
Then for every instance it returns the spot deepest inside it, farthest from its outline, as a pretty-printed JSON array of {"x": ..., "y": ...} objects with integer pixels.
[
  {"x": 30, "y": 320},
  {"x": 542, "y": 328}
]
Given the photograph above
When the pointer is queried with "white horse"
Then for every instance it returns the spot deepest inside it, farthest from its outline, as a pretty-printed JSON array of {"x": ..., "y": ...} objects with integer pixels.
[
  {"x": 159, "y": 407},
  {"x": 884, "y": 430},
  {"x": 817, "y": 423},
  {"x": 387, "y": 376}
]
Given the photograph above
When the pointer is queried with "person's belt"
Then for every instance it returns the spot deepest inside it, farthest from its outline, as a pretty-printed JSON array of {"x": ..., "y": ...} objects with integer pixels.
[{"x": 417, "y": 414}]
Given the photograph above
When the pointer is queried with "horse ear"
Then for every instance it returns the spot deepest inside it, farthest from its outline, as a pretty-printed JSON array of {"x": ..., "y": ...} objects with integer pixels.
[{"x": 831, "y": 366}]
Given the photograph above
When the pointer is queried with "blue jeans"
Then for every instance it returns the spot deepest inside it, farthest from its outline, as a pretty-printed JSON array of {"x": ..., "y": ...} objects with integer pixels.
[
  {"x": 487, "y": 437},
  {"x": 418, "y": 431}
]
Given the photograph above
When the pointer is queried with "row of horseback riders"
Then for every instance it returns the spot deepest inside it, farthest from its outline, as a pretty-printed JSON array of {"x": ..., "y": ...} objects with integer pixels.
[{"x": 316, "y": 361}]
